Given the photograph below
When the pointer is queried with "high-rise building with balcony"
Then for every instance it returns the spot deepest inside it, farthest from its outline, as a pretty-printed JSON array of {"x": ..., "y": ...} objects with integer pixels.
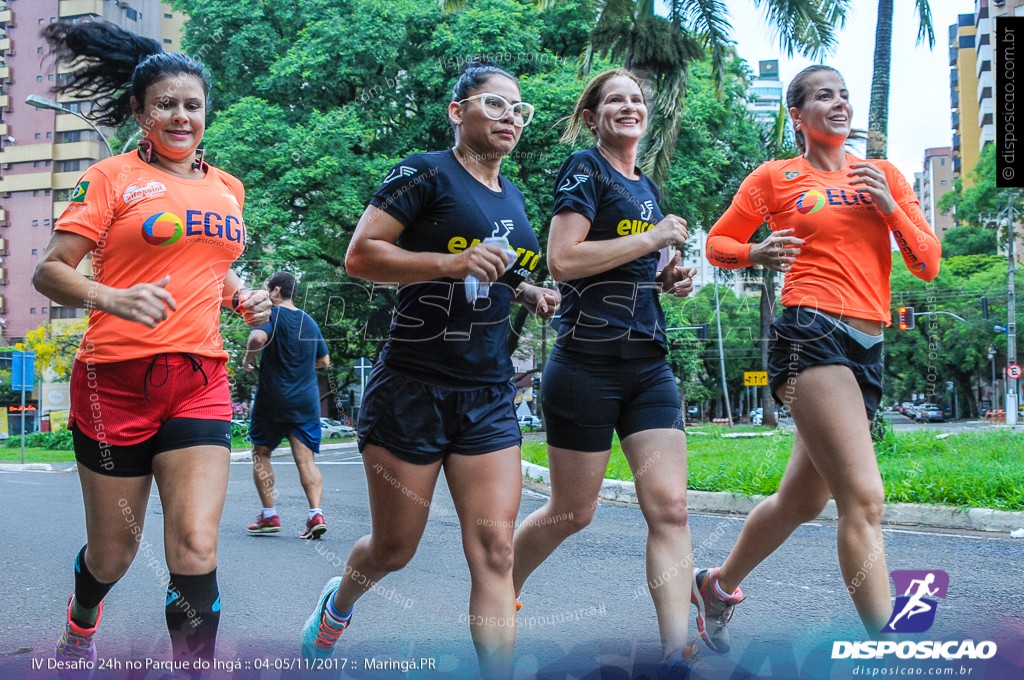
[
  {"x": 963, "y": 93},
  {"x": 764, "y": 96},
  {"x": 43, "y": 153},
  {"x": 935, "y": 180}
]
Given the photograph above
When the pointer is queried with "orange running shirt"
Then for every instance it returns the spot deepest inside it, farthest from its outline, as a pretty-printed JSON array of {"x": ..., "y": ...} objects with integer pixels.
[
  {"x": 147, "y": 224},
  {"x": 845, "y": 266}
]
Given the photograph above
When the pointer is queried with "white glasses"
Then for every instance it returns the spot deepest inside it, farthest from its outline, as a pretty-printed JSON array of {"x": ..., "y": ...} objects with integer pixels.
[{"x": 495, "y": 107}]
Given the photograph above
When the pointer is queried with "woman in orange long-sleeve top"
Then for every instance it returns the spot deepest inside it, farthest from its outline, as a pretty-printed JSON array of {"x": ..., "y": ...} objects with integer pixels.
[{"x": 831, "y": 215}]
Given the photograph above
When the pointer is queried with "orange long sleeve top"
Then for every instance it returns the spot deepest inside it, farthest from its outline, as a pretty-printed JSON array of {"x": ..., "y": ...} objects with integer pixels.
[{"x": 845, "y": 265}]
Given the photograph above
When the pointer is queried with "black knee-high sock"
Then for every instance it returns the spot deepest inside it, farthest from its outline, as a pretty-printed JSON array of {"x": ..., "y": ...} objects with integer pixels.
[
  {"x": 88, "y": 591},
  {"x": 193, "y": 614}
]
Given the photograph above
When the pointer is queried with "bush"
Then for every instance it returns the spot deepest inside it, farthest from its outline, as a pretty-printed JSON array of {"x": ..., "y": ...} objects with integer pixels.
[
  {"x": 239, "y": 431},
  {"x": 55, "y": 441}
]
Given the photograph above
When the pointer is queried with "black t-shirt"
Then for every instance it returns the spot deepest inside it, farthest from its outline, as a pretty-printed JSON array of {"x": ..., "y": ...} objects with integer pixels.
[
  {"x": 436, "y": 334},
  {"x": 616, "y": 312},
  {"x": 288, "y": 391}
]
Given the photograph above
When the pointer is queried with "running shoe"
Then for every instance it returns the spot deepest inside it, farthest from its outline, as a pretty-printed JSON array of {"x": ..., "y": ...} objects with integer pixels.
[
  {"x": 319, "y": 634},
  {"x": 519, "y": 603},
  {"x": 685, "y": 664},
  {"x": 713, "y": 613},
  {"x": 315, "y": 528},
  {"x": 265, "y": 525},
  {"x": 76, "y": 648}
]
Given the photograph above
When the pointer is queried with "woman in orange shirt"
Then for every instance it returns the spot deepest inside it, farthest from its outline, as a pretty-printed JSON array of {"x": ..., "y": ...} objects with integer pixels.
[
  {"x": 831, "y": 215},
  {"x": 149, "y": 390}
]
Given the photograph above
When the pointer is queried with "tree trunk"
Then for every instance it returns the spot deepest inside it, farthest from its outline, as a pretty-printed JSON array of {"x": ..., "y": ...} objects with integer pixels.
[
  {"x": 518, "y": 321},
  {"x": 767, "y": 316},
  {"x": 964, "y": 384},
  {"x": 878, "y": 112}
]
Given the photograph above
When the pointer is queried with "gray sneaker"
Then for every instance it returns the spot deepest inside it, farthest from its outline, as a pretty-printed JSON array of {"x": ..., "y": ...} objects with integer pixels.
[{"x": 713, "y": 613}]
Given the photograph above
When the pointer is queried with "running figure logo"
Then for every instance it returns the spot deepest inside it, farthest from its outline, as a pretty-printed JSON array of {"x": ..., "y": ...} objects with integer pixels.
[{"x": 913, "y": 612}]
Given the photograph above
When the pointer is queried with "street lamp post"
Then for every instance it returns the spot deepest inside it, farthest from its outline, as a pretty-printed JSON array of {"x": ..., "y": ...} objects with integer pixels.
[{"x": 44, "y": 103}]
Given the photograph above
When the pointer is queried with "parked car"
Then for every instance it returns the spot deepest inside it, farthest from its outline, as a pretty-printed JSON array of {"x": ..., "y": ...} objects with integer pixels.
[
  {"x": 332, "y": 429},
  {"x": 905, "y": 407},
  {"x": 529, "y": 422},
  {"x": 931, "y": 414}
]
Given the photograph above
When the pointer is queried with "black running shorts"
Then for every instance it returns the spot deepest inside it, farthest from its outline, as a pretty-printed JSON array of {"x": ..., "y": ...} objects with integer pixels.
[
  {"x": 800, "y": 338},
  {"x": 586, "y": 398},
  {"x": 136, "y": 460},
  {"x": 422, "y": 423}
]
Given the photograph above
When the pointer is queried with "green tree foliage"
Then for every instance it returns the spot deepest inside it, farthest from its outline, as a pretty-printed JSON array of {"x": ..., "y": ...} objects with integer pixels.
[
  {"x": 968, "y": 240},
  {"x": 314, "y": 101},
  {"x": 942, "y": 349}
]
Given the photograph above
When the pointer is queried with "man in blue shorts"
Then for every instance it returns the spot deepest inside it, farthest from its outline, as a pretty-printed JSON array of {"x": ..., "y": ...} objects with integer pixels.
[{"x": 287, "y": 402}]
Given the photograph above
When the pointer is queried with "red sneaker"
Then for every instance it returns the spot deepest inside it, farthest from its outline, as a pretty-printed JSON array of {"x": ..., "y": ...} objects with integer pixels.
[
  {"x": 315, "y": 528},
  {"x": 265, "y": 525}
]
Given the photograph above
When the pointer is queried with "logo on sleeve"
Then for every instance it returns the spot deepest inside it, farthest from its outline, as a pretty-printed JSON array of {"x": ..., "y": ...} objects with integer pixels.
[
  {"x": 78, "y": 195},
  {"x": 571, "y": 183},
  {"x": 400, "y": 171},
  {"x": 792, "y": 174},
  {"x": 162, "y": 229},
  {"x": 134, "y": 194}
]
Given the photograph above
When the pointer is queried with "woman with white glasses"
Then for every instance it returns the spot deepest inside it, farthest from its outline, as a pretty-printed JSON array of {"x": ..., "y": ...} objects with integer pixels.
[{"x": 453, "y": 234}]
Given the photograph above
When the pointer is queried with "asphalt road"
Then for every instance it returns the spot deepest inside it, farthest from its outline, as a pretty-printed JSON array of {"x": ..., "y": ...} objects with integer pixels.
[{"x": 796, "y": 602}]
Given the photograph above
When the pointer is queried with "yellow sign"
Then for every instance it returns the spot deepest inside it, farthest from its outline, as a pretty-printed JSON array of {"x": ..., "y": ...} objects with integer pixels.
[
  {"x": 3, "y": 423},
  {"x": 58, "y": 420},
  {"x": 755, "y": 378}
]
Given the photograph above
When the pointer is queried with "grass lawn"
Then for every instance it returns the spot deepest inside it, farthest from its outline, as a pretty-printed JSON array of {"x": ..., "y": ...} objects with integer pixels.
[
  {"x": 41, "y": 455},
  {"x": 984, "y": 469}
]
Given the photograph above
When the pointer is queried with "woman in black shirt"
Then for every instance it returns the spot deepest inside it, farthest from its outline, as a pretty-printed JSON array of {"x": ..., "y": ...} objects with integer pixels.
[
  {"x": 441, "y": 393},
  {"x": 607, "y": 372}
]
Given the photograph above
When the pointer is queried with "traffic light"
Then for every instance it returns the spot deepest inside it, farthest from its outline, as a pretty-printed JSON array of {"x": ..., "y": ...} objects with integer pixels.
[
  {"x": 906, "y": 318},
  {"x": 984, "y": 307},
  {"x": 702, "y": 331}
]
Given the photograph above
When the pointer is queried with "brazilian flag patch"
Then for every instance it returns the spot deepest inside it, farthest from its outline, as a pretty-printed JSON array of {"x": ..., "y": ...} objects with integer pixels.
[
  {"x": 789, "y": 175},
  {"x": 79, "y": 194}
]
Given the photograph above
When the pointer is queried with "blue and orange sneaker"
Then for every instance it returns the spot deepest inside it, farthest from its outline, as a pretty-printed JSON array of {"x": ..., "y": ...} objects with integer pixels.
[
  {"x": 321, "y": 631},
  {"x": 76, "y": 652},
  {"x": 713, "y": 612}
]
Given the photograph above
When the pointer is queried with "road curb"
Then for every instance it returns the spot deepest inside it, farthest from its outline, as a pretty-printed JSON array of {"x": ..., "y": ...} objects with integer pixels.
[
  {"x": 18, "y": 467},
  {"x": 904, "y": 514}
]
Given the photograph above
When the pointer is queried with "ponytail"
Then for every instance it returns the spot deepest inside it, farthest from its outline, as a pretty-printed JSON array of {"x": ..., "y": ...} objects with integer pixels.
[{"x": 114, "y": 66}]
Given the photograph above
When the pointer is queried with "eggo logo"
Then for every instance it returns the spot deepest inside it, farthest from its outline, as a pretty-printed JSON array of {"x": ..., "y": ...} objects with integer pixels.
[{"x": 162, "y": 229}]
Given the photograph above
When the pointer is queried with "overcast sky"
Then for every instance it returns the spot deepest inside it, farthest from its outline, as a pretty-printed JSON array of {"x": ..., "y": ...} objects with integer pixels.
[{"x": 919, "y": 112}]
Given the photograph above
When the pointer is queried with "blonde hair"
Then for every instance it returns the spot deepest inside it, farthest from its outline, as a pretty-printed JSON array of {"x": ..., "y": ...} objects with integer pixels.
[{"x": 589, "y": 100}]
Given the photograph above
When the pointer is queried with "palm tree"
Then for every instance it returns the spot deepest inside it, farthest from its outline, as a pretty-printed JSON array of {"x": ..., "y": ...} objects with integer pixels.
[
  {"x": 659, "y": 49},
  {"x": 878, "y": 112}
]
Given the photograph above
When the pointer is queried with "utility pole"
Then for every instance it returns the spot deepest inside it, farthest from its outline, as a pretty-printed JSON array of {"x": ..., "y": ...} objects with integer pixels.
[
  {"x": 1011, "y": 316},
  {"x": 721, "y": 351}
]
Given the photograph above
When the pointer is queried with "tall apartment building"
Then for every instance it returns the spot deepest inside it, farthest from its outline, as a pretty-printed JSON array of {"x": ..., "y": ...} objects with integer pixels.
[
  {"x": 43, "y": 153},
  {"x": 764, "y": 96},
  {"x": 963, "y": 94},
  {"x": 936, "y": 180}
]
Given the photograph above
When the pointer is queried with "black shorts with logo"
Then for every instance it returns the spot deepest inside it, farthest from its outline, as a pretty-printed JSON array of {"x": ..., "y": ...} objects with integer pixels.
[
  {"x": 421, "y": 422},
  {"x": 588, "y": 397},
  {"x": 800, "y": 338}
]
